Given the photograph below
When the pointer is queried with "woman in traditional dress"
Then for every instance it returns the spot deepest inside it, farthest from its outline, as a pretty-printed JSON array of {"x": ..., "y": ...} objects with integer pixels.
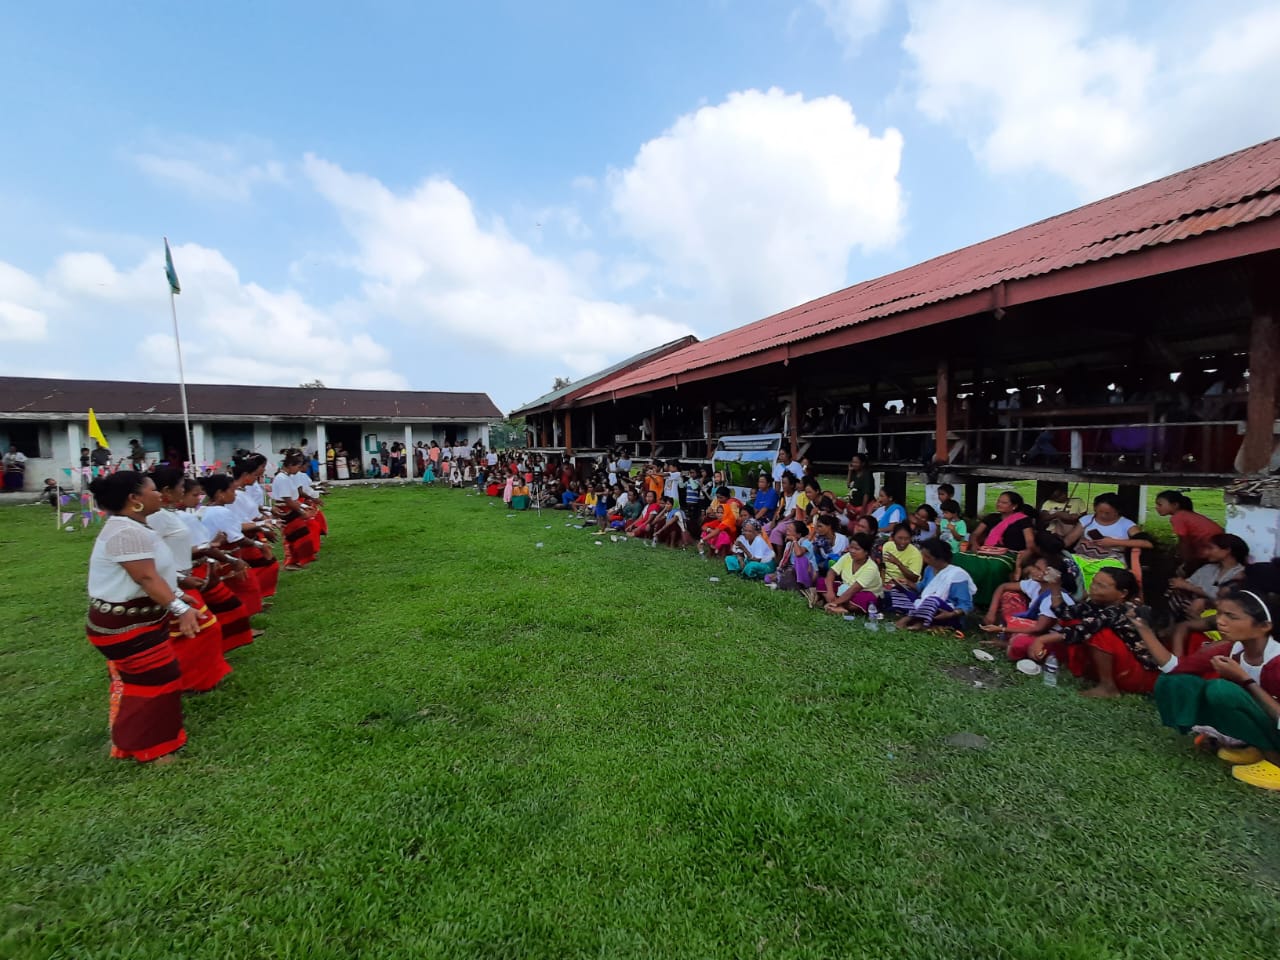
[
  {"x": 224, "y": 528},
  {"x": 945, "y": 595},
  {"x": 247, "y": 503},
  {"x": 299, "y": 535},
  {"x": 134, "y": 595},
  {"x": 215, "y": 567},
  {"x": 1101, "y": 642},
  {"x": 1229, "y": 692},
  {"x": 200, "y": 657},
  {"x": 995, "y": 546},
  {"x": 720, "y": 528}
]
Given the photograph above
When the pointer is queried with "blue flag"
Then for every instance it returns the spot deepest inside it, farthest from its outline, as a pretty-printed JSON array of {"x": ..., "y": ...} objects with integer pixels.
[{"x": 168, "y": 268}]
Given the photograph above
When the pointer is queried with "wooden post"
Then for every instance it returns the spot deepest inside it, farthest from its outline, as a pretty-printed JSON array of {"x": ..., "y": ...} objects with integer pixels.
[
  {"x": 709, "y": 426},
  {"x": 653, "y": 431},
  {"x": 542, "y": 430},
  {"x": 568, "y": 433},
  {"x": 942, "y": 446},
  {"x": 794, "y": 425},
  {"x": 1259, "y": 434}
]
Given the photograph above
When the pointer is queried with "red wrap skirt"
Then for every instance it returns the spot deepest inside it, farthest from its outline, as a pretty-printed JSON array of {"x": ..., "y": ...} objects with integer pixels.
[
  {"x": 200, "y": 657},
  {"x": 300, "y": 539},
  {"x": 263, "y": 566},
  {"x": 146, "y": 680},
  {"x": 233, "y": 619}
]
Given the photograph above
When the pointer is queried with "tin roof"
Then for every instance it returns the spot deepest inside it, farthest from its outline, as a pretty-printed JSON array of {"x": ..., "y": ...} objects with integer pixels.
[
  {"x": 1238, "y": 189},
  {"x": 553, "y": 398},
  {"x": 141, "y": 400}
]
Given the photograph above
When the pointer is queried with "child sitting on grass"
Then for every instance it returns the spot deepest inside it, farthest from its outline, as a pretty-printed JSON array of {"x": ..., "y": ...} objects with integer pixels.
[{"x": 674, "y": 529}]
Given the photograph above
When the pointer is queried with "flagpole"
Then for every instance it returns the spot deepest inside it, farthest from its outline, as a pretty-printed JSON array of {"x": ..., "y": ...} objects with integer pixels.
[{"x": 182, "y": 377}]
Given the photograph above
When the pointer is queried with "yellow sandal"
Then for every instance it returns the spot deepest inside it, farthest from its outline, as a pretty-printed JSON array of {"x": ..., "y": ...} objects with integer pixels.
[
  {"x": 1240, "y": 755},
  {"x": 1263, "y": 774}
]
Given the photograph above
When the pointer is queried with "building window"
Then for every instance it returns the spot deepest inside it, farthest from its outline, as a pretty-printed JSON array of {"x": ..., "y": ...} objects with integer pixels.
[{"x": 32, "y": 439}]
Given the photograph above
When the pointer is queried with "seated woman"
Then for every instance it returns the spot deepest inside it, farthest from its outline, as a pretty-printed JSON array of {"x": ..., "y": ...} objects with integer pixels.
[
  {"x": 674, "y": 530},
  {"x": 1021, "y": 613},
  {"x": 720, "y": 525},
  {"x": 794, "y": 505},
  {"x": 819, "y": 500},
  {"x": 861, "y": 487},
  {"x": 764, "y": 506},
  {"x": 901, "y": 559},
  {"x": 997, "y": 545},
  {"x": 853, "y": 583},
  {"x": 923, "y": 523},
  {"x": 888, "y": 511},
  {"x": 795, "y": 570},
  {"x": 751, "y": 554},
  {"x": 628, "y": 512},
  {"x": 945, "y": 594},
  {"x": 1193, "y": 530},
  {"x": 1237, "y": 712},
  {"x": 643, "y": 525},
  {"x": 1192, "y": 599},
  {"x": 951, "y": 524},
  {"x": 1098, "y": 636},
  {"x": 1104, "y": 538},
  {"x": 828, "y": 542}
]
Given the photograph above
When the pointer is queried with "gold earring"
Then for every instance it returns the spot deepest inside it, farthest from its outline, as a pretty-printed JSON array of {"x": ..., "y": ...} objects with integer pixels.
[{"x": 137, "y": 508}]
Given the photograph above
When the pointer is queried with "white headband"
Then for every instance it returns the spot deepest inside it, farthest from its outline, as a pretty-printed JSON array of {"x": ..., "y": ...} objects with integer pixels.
[{"x": 1263, "y": 603}]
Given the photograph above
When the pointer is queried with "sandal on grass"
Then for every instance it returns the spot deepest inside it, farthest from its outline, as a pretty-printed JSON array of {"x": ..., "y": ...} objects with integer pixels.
[
  {"x": 1262, "y": 774},
  {"x": 1240, "y": 755}
]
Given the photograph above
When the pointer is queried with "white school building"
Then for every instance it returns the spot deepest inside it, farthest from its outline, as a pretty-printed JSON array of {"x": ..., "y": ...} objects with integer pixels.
[{"x": 47, "y": 420}]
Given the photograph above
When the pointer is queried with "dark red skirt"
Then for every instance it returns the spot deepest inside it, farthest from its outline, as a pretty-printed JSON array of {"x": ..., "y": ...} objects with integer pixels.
[
  {"x": 146, "y": 680},
  {"x": 264, "y": 567},
  {"x": 200, "y": 657},
  {"x": 299, "y": 539},
  {"x": 233, "y": 619},
  {"x": 244, "y": 586}
]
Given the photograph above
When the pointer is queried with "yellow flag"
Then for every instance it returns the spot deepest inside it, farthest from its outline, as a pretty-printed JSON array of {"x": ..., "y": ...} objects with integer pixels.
[{"x": 95, "y": 431}]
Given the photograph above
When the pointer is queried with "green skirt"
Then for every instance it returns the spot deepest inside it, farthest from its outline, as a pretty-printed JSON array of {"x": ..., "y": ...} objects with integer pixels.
[
  {"x": 1090, "y": 567},
  {"x": 1185, "y": 701},
  {"x": 988, "y": 570}
]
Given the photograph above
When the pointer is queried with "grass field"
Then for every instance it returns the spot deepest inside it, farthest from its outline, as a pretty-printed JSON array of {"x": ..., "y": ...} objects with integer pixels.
[{"x": 451, "y": 743}]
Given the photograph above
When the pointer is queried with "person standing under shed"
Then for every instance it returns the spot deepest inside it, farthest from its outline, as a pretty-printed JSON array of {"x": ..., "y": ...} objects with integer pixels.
[{"x": 15, "y": 469}]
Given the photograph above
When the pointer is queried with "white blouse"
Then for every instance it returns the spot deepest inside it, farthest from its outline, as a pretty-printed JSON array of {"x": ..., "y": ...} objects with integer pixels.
[
  {"x": 121, "y": 541},
  {"x": 218, "y": 520},
  {"x": 175, "y": 535}
]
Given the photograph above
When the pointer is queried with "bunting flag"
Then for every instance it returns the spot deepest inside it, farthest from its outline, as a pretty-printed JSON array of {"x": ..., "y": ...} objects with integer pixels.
[
  {"x": 95, "y": 431},
  {"x": 66, "y": 517},
  {"x": 84, "y": 522}
]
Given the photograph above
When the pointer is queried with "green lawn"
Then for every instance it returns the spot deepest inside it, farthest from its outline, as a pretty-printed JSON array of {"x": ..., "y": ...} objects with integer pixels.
[{"x": 453, "y": 744}]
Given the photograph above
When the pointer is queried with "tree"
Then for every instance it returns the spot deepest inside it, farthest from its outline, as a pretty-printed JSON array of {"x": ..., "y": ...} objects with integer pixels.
[
  {"x": 313, "y": 385},
  {"x": 560, "y": 382}
]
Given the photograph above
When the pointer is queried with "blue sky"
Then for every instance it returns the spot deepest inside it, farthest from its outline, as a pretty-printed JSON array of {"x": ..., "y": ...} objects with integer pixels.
[{"x": 471, "y": 197}]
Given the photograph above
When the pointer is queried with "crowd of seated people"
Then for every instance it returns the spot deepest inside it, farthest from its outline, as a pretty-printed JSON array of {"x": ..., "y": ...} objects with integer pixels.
[{"x": 1062, "y": 580}]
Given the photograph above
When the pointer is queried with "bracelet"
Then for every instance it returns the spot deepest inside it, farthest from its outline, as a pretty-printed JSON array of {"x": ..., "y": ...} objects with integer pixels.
[
  {"x": 1249, "y": 683},
  {"x": 178, "y": 607}
]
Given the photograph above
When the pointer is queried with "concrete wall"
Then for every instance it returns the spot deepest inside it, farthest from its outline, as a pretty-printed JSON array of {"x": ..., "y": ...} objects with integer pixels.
[{"x": 1259, "y": 527}]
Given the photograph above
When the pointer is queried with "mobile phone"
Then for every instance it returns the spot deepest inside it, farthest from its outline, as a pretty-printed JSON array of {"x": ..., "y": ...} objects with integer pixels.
[{"x": 1095, "y": 534}]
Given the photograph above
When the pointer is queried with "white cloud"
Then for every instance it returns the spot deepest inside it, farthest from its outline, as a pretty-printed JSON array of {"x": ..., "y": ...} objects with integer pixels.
[
  {"x": 1041, "y": 86},
  {"x": 212, "y": 171},
  {"x": 22, "y": 303},
  {"x": 428, "y": 261},
  {"x": 755, "y": 204},
  {"x": 232, "y": 331},
  {"x": 853, "y": 21}
]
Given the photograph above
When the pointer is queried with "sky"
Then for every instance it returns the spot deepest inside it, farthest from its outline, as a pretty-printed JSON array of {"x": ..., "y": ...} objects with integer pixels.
[{"x": 430, "y": 196}]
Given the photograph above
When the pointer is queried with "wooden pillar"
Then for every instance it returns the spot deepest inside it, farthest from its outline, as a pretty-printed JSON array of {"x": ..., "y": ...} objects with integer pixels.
[
  {"x": 594, "y": 445},
  {"x": 568, "y": 433},
  {"x": 1264, "y": 355},
  {"x": 943, "y": 414},
  {"x": 653, "y": 430},
  {"x": 794, "y": 426},
  {"x": 709, "y": 426},
  {"x": 542, "y": 430}
]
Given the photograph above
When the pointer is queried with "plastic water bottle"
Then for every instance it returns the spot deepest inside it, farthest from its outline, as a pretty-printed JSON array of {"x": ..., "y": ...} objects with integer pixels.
[
  {"x": 873, "y": 618},
  {"x": 1051, "y": 671}
]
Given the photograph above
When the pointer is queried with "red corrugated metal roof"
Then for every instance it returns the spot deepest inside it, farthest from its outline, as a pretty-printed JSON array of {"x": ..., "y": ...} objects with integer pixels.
[{"x": 1228, "y": 192}]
